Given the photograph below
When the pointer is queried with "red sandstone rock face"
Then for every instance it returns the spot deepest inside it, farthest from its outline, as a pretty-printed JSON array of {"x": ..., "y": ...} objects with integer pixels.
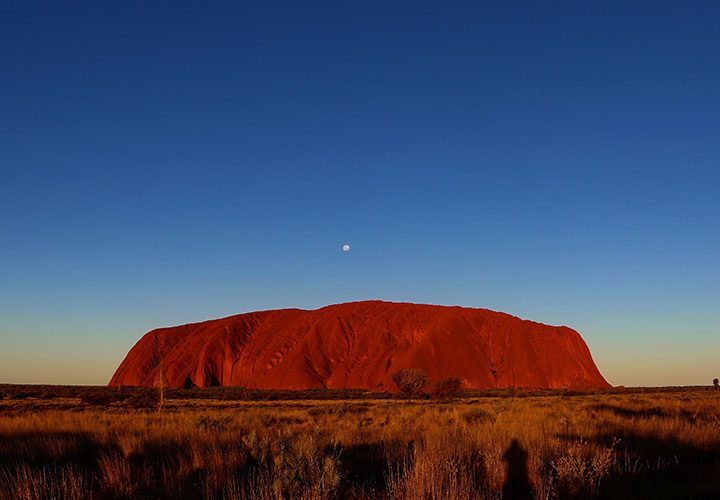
[{"x": 360, "y": 345}]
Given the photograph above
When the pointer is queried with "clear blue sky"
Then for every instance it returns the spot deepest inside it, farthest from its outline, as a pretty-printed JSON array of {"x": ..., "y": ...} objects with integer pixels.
[{"x": 163, "y": 163}]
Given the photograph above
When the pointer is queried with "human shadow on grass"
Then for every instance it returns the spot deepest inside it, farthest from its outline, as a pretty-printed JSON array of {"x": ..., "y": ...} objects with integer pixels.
[{"x": 517, "y": 483}]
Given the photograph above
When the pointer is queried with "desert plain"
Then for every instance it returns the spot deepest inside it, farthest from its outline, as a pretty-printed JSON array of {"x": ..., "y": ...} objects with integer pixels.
[{"x": 230, "y": 443}]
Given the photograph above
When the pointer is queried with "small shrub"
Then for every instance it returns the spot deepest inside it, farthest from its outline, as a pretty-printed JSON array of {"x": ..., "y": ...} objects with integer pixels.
[
  {"x": 211, "y": 424},
  {"x": 477, "y": 415},
  {"x": 296, "y": 466},
  {"x": 147, "y": 399},
  {"x": 448, "y": 389},
  {"x": 581, "y": 468},
  {"x": 99, "y": 399}
]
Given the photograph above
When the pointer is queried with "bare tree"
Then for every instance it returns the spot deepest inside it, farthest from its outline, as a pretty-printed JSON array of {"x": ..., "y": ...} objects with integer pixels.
[
  {"x": 716, "y": 383},
  {"x": 449, "y": 388},
  {"x": 410, "y": 380},
  {"x": 160, "y": 383}
]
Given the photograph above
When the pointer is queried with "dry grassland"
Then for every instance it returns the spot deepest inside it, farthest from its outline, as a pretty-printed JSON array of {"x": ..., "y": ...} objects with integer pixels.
[{"x": 618, "y": 445}]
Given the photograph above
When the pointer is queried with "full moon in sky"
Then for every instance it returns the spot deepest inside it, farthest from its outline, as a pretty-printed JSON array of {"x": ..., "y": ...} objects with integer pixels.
[{"x": 346, "y": 247}]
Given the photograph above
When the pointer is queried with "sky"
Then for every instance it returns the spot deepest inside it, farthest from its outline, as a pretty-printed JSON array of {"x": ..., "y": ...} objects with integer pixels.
[{"x": 170, "y": 162}]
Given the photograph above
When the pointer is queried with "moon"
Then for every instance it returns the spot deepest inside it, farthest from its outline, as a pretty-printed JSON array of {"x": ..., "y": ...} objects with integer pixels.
[{"x": 346, "y": 247}]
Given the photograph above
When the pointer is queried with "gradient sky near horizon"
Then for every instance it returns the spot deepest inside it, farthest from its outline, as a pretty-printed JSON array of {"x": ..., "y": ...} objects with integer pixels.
[{"x": 169, "y": 162}]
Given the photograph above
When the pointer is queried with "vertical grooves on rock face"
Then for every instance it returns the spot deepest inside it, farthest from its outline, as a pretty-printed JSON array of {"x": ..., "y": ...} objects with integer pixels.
[{"x": 360, "y": 345}]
